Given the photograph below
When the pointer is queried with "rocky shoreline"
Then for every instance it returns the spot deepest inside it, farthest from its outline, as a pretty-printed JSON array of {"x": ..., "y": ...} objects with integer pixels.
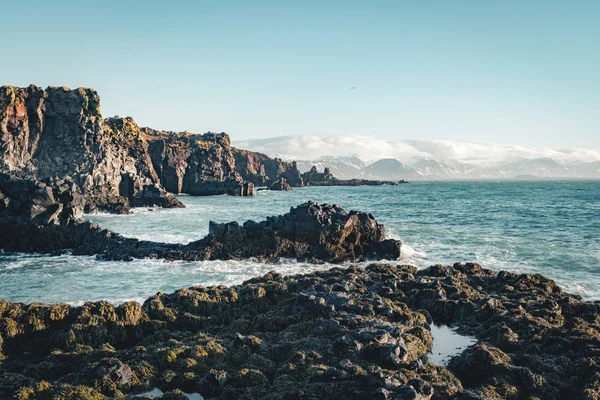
[
  {"x": 58, "y": 133},
  {"x": 356, "y": 333},
  {"x": 48, "y": 218}
]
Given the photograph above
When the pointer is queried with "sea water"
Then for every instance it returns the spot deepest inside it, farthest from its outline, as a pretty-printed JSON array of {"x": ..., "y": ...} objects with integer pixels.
[{"x": 551, "y": 228}]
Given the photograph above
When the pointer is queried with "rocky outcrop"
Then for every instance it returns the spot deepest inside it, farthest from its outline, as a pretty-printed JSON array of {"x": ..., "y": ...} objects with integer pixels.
[
  {"x": 207, "y": 164},
  {"x": 326, "y": 178},
  {"x": 281, "y": 185},
  {"x": 317, "y": 336},
  {"x": 199, "y": 165},
  {"x": 48, "y": 202},
  {"x": 308, "y": 232},
  {"x": 355, "y": 333},
  {"x": 535, "y": 340},
  {"x": 264, "y": 170},
  {"x": 58, "y": 132}
]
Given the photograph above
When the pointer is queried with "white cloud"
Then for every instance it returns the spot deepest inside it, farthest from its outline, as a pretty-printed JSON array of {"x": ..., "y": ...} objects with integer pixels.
[{"x": 310, "y": 147}]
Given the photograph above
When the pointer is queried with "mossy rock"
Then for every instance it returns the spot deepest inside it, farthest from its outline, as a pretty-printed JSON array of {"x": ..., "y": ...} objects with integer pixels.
[{"x": 248, "y": 378}]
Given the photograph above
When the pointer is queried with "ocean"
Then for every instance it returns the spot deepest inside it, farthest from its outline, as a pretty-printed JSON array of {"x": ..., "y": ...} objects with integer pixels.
[{"x": 549, "y": 227}]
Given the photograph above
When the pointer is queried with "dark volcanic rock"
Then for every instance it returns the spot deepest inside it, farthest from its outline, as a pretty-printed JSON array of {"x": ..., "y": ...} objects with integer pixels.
[
  {"x": 258, "y": 340},
  {"x": 264, "y": 170},
  {"x": 60, "y": 132},
  {"x": 206, "y": 164},
  {"x": 199, "y": 165},
  {"x": 51, "y": 201},
  {"x": 281, "y": 184},
  {"x": 343, "y": 333},
  {"x": 309, "y": 231},
  {"x": 326, "y": 178}
]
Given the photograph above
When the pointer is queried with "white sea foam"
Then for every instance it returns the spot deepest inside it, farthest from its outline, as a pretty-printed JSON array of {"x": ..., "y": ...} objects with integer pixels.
[
  {"x": 412, "y": 253},
  {"x": 523, "y": 228}
]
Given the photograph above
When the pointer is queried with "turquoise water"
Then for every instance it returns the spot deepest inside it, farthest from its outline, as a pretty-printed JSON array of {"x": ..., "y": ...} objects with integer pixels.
[{"x": 552, "y": 228}]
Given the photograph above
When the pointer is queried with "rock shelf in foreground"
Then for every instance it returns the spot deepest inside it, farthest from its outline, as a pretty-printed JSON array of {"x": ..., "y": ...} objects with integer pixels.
[{"x": 343, "y": 333}]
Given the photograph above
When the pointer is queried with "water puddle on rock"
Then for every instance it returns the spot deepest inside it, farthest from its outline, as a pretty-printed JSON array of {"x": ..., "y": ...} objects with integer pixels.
[
  {"x": 156, "y": 392},
  {"x": 446, "y": 344}
]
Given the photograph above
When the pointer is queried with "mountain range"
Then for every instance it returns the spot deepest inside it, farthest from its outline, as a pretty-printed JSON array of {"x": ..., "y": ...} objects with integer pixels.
[{"x": 354, "y": 156}]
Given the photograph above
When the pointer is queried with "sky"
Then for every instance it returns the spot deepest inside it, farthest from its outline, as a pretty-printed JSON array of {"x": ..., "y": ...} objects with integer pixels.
[{"x": 513, "y": 72}]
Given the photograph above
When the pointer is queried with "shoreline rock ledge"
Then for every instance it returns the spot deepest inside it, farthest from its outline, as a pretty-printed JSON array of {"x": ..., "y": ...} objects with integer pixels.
[
  {"x": 353, "y": 333},
  {"x": 48, "y": 218}
]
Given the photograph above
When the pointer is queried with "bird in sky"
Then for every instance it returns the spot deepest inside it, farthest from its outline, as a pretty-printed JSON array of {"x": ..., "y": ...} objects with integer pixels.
[{"x": 353, "y": 87}]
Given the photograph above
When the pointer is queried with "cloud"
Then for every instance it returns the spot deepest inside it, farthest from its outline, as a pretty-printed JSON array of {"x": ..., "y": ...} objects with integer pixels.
[{"x": 310, "y": 147}]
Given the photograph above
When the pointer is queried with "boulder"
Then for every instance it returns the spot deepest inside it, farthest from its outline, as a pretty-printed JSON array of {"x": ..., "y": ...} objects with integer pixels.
[{"x": 48, "y": 202}]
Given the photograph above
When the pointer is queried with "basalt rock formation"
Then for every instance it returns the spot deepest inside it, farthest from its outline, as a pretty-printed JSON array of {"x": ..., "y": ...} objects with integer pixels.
[
  {"x": 264, "y": 170},
  {"x": 355, "y": 333},
  {"x": 208, "y": 165},
  {"x": 47, "y": 202},
  {"x": 58, "y": 132},
  {"x": 308, "y": 232},
  {"x": 199, "y": 165},
  {"x": 326, "y": 178}
]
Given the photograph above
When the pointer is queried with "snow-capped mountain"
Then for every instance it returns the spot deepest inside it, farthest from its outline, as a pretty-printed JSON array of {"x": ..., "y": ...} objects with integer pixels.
[
  {"x": 587, "y": 170},
  {"x": 353, "y": 156},
  {"x": 390, "y": 169},
  {"x": 538, "y": 167},
  {"x": 440, "y": 170}
]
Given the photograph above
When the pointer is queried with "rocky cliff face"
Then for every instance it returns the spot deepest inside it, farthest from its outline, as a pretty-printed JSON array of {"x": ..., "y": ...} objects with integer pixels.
[
  {"x": 264, "y": 170},
  {"x": 58, "y": 132},
  {"x": 208, "y": 165},
  {"x": 199, "y": 165}
]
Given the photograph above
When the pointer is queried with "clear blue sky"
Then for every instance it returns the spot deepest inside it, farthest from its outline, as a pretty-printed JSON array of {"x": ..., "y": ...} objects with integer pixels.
[{"x": 518, "y": 72}]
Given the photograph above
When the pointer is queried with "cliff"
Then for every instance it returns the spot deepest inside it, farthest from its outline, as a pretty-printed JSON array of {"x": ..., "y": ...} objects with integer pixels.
[
  {"x": 194, "y": 164},
  {"x": 58, "y": 132},
  {"x": 264, "y": 170},
  {"x": 207, "y": 164}
]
